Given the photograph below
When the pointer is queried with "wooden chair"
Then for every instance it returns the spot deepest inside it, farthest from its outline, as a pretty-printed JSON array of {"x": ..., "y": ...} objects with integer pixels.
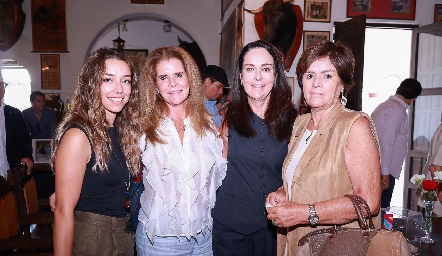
[
  {"x": 28, "y": 212},
  {"x": 9, "y": 226}
]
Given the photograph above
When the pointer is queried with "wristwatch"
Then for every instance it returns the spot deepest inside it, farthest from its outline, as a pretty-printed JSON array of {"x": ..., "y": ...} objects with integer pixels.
[{"x": 313, "y": 218}]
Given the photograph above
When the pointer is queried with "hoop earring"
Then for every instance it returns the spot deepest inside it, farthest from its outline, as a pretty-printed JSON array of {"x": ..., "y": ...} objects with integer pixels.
[{"x": 343, "y": 99}]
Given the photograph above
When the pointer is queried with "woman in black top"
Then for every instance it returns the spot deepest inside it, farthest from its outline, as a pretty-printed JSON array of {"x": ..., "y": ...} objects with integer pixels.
[
  {"x": 258, "y": 124},
  {"x": 96, "y": 150}
]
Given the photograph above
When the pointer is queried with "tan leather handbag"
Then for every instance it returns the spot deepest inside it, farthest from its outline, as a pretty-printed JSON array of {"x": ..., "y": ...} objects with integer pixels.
[{"x": 365, "y": 240}]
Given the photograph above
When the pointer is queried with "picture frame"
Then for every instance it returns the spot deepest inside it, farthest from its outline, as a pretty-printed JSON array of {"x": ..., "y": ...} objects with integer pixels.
[
  {"x": 138, "y": 57},
  {"x": 291, "y": 81},
  {"x": 147, "y": 1},
  {"x": 42, "y": 150},
  {"x": 49, "y": 32},
  {"x": 311, "y": 36},
  {"x": 317, "y": 10},
  {"x": 437, "y": 13},
  {"x": 380, "y": 9},
  {"x": 54, "y": 102},
  {"x": 232, "y": 38},
  {"x": 50, "y": 71}
]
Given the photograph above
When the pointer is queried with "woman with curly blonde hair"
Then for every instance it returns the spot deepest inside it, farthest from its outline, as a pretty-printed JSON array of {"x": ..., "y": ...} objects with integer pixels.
[
  {"x": 95, "y": 152},
  {"x": 182, "y": 157}
]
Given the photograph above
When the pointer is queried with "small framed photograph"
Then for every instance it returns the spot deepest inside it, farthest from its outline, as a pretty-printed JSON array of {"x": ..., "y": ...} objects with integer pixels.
[
  {"x": 317, "y": 10},
  {"x": 50, "y": 71},
  {"x": 311, "y": 36},
  {"x": 138, "y": 57},
  {"x": 54, "y": 102},
  {"x": 437, "y": 13},
  {"x": 42, "y": 150},
  {"x": 291, "y": 81},
  {"x": 147, "y": 1},
  {"x": 392, "y": 9}
]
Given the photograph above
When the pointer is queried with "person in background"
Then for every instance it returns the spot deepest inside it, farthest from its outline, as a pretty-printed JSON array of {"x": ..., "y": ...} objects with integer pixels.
[
  {"x": 333, "y": 151},
  {"x": 391, "y": 120},
  {"x": 15, "y": 142},
  {"x": 256, "y": 128},
  {"x": 95, "y": 152},
  {"x": 182, "y": 158},
  {"x": 41, "y": 121},
  {"x": 214, "y": 80},
  {"x": 434, "y": 164}
]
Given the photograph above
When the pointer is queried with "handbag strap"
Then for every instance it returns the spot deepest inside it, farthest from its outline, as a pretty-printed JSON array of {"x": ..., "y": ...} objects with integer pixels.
[{"x": 363, "y": 212}]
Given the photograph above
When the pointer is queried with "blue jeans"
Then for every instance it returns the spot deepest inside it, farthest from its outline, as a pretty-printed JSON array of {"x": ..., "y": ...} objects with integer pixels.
[{"x": 172, "y": 246}]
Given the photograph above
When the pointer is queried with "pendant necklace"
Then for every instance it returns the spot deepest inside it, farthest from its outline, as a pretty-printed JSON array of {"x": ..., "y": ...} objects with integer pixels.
[{"x": 178, "y": 124}]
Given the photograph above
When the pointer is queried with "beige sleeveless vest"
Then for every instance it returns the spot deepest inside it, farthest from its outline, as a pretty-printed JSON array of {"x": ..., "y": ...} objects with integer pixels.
[{"x": 321, "y": 173}]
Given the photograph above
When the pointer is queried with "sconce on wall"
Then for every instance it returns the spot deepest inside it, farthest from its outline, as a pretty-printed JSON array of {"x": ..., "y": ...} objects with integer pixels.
[
  {"x": 167, "y": 27},
  {"x": 118, "y": 42}
]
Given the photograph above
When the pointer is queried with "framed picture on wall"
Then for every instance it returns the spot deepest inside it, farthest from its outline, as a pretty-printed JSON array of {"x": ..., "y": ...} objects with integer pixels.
[
  {"x": 41, "y": 150},
  {"x": 380, "y": 9},
  {"x": 50, "y": 71},
  {"x": 138, "y": 57},
  {"x": 317, "y": 10},
  {"x": 437, "y": 13},
  {"x": 147, "y": 1},
  {"x": 49, "y": 32},
  {"x": 311, "y": 36}
]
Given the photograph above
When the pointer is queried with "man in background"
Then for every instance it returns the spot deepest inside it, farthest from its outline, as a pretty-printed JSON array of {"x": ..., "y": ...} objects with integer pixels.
[
  {"x": 15, "y": 142},
  {"x": 214, "y": 80},
  {"x": 391, "y": 121},
  {"x": 41, "y": 121}
]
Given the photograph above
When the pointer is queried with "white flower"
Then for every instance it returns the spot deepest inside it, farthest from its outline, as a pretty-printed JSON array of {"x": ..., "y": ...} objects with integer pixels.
[
  {"x": 417, "y": 178},
  {"x": 438, "y": 176}
]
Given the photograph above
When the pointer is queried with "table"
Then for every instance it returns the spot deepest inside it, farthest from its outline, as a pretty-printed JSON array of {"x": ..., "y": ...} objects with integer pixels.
[{"x": 436, "y": 233}]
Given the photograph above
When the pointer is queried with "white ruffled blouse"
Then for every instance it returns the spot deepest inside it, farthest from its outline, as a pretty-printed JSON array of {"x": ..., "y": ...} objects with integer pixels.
[{"x": 180, "y": 181}]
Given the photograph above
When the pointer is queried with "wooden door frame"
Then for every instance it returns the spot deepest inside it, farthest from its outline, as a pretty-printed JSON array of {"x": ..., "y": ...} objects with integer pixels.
[{"x": 415, "y": 156}]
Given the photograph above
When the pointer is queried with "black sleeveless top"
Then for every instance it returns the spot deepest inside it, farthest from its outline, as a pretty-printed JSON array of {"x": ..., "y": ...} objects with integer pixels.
[
  {"x": 104, "y": 193},
  {"x": 254, "y": 169}
]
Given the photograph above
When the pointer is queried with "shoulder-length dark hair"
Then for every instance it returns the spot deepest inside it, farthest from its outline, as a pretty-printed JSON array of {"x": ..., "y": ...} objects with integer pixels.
[
  {"x": 155, "y": 109},
  {"x": 340, "y": 56},
  {"x": 87, "y": 111},
  {"x": 280, "y": 113}
]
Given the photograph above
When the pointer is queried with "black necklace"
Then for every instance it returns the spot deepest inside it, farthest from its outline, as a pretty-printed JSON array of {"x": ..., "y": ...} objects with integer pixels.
[
  {"x": 306, "y": 140},
  {"x": 126, "y": 183}
]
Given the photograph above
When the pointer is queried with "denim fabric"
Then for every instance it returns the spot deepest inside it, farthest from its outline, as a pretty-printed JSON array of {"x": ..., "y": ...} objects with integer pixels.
[{"x": 172, "y": 245}]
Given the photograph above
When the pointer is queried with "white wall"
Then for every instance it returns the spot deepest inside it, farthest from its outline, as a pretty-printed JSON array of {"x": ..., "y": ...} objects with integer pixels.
[
  {"x": 85, "y": 19},
  {"x": 424, "y": 16},
  {"x": 92, "y": 23}
]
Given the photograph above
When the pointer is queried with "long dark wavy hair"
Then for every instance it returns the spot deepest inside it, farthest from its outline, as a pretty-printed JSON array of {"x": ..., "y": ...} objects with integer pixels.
[
  {"x": 280, "y": 113},
  {"x": 155, "y": 109},
  {"x": 87, "y": 111}
]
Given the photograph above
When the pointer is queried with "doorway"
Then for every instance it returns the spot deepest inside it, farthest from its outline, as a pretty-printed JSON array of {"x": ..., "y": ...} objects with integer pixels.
[
  {"x": 19, "y": 84},
  {"x": 387, "y": 58}
]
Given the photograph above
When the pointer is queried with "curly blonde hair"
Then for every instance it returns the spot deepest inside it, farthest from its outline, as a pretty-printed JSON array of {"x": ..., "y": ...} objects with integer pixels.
[
  {"x": 88, "y": 112},
  {"x": 155, "y": 109}
]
